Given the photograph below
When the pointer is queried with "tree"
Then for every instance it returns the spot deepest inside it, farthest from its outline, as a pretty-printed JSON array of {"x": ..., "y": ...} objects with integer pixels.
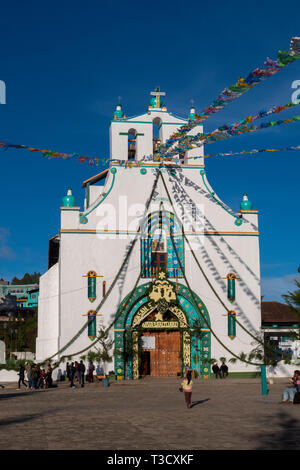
[
  {"x": 293, "y": 301},
  {"x": 102, "y": 353},
  {"x": 27, "y": 279}
]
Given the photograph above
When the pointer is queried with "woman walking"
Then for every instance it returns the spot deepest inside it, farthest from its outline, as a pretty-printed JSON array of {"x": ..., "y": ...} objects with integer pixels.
[
  {"x": 21, "y": 376},
  {"x": 187, "y": 385}
]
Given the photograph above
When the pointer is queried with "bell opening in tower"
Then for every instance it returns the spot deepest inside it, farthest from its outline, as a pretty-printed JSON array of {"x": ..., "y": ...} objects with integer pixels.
[
  {"x": 156, "y": 136},
  {"x": 131, "y": 144}
]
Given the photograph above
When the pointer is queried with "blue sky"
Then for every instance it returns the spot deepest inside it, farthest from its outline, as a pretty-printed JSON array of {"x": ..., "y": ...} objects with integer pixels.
[{"x": 65, "y": 64}]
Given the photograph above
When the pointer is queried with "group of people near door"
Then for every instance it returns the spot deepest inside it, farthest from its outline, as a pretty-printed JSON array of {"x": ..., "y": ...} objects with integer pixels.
[{"x": 76, "y": 372}]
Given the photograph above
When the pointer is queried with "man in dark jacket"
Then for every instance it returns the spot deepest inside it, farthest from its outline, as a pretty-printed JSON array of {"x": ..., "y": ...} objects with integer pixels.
[
  {"x": 81, "y": 371},
  {"x": 216, "y": 370},
  {"x": 21, "y": 376},
  {"x": 224, "y": 370},
  {"x": 72, "y": 375}
]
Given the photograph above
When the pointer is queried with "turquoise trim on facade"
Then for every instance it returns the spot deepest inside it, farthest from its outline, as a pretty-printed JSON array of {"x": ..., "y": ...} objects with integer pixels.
[
  {"x": 83, "y": 218},
  {"x": 238, "y": 221},
  {"x": 70, "y": 208},
  {"x": 131, "y": 304}
]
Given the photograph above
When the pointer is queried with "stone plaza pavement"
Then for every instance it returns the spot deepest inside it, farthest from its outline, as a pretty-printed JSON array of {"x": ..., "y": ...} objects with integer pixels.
[{"x": 149, "y": 414}]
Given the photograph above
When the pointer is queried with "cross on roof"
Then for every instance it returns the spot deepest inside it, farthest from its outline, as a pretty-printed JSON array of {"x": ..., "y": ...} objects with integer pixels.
[{"x": 158, "y": 94}]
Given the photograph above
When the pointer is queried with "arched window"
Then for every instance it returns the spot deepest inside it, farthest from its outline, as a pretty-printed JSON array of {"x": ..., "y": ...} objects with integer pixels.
[
  {"x": 157, "y": 248},
  {"x": 131, "y": 144}
]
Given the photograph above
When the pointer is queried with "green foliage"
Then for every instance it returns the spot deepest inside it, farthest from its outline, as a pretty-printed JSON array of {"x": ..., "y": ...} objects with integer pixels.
[
  {"x": 20, "y": 335},
  {"x": 27, "y": 333},
  {"x": 91, "y": 356},
  {"x": 102, "y": 353},
  {"x": 223, "y": 359},
  {"x": 233, "y": 360},
  {"x": 14, "y": 364},
  {"x": 293, "y": 301},
  {"x": 27, "y": 279},
  {"x": 211, "y": 361}
]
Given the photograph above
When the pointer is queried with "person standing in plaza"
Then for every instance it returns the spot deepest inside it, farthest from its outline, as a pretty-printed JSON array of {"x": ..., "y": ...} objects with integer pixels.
[
  {"x": 21, "y": 376},
  {"x": 91, "y": 369},
  {"x": 72, "y": 375},
  {"x": 49, "y": 380},
  {"x": 68, "y": 368},
  {"x": 32, "y": 377},
  {"x": 38, "y": 377},
  {"x": 81, "y": 371},
  {"x": 27, "y": 369},
  {"x": 216, "y": 370},
  {"x": 76, "y": 371},
  {"x": 224, "y": 370},
  {"x": 187, "y": 385}
]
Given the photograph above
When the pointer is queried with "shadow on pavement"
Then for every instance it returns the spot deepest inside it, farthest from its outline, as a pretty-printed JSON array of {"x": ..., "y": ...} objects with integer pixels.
[
  {"x": 7, "y": 396},
  {"x": 16, "y": 420},
  {"x": 199, "y": 402},
  {"x": 287, "y": 437}
]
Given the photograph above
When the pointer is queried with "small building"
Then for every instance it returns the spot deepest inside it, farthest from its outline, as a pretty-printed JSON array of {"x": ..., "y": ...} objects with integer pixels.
[
  {"x": 278, "y": 321},
  {"x": 26, "y": 294}
]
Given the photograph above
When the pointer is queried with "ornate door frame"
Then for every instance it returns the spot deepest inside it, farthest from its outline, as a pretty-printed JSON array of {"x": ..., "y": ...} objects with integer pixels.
[{"x": 135, "y": 307}]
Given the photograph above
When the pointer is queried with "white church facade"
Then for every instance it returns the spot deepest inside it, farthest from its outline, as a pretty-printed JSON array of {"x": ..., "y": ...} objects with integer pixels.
[{"x": 175, "y": 271}]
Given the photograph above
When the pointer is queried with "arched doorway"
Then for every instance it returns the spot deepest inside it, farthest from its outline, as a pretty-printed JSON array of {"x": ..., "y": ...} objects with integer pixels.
[{"x": 156, "y": 337}]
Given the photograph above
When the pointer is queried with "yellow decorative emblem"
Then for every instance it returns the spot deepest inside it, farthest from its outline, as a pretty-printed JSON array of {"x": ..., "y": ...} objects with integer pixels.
[
  {"x": 159, "y": 317},
  {"x": 162, "y": 292}
]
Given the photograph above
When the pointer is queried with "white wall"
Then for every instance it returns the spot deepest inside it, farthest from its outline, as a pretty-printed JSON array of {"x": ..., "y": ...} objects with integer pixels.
[{"x": 48, "y": 314}]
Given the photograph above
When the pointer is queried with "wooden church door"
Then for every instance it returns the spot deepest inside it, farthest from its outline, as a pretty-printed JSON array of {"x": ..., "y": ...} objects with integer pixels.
[{"x": 164, "y": 358}]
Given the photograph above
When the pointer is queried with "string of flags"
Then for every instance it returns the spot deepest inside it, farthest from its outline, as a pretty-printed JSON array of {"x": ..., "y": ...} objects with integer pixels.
[
  {"x": 50, "y": 154},
  {"x": 130, "y": 164},
  {"x": 233, "y": 92},
  {"x": 246, "y": 152},
  {"x": 188, "y": 142},
  {"x": 223, "y": 132}
]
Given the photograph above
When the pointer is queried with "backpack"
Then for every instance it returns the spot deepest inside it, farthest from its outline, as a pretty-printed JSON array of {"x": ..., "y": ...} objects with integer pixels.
[{"x": 297, "y": 398}]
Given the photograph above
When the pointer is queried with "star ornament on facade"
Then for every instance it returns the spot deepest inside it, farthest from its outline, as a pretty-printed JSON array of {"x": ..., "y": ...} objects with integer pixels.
[
  {"x": 159, "y": 317},
  {"x": 162, "y": 275}
]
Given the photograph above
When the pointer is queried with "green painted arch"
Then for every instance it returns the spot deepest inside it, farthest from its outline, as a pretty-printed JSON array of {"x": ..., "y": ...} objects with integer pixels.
[
  {"x": 135, "y": 299},
  {"x": 131, "y": 304}
]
